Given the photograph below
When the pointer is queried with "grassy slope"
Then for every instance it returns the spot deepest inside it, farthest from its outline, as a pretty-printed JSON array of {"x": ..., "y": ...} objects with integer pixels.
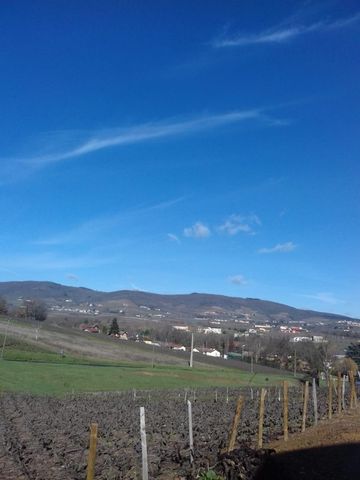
[
  {"x": 29, "y": 367},
  {"x": 47, "y": 378}
]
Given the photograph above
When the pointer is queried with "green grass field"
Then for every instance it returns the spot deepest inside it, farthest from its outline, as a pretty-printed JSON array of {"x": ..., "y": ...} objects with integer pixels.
[
  {"x": 28, "y": 368},
  {"x": 57, "y": 379}
]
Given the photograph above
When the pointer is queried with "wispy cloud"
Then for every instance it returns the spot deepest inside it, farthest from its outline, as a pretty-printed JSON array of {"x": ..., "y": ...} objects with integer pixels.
[
  {"x": 238, "y": 280},
  {"x": 52, "y": 261},
  {"x": 239, "y": 223},
  {"x": 325, "y": 297},
  {"x": 285, "y": 33},
  {"x": 279, "y": 248},
  {"x": 91, "y": 228},
  {"x": 73, "y": 277},
  {"x": 198, "y": 230},
  {"x": 173, "y": 238},
  {"x": 73, "y": 144}
]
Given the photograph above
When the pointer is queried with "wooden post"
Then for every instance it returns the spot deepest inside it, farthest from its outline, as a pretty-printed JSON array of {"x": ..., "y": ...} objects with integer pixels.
[
  {"x": 235, "y": 424},
  {"x": 351, "y": 388},
  {"x": 191, "y": 350},
  {"x": 227, "y": 394},
  {"x": 286, "y": 410},
  {"x": 306, "y": 398},
  {"x": 216, "y": 395},
  {"x": 185, "y": 396},
  {"x": 191, "y": 440},
  {"x": 339, "y": 392},
  {"x": 5, "y": 337},
  {"x": 343, "y": 393},
  {"x": 355, "y": 395},
  {"x": 143, "y": 445},
  {"x": 261, "y": 417},
  {"x": 353, "y": 399},
  {"x": 330, "y": 398},
  {"x": 90, "y": 471},
  {"x": 315, "y": 404}
]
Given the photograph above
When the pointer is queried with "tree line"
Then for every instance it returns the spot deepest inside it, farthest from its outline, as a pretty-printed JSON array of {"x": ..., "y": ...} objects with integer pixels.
[{"x": 30, "y": 309}]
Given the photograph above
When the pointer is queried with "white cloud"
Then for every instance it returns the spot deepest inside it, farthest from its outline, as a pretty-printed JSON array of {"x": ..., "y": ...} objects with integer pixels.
[
  {"x": 198, "y": 230},
  {"x": 173, "y": 237},
  {"x": 238, "y": 280},
  {"x": 279, "y": 248},
  {"x": 238, "y": 223},
  {"x": 325, "y": 297},
  {"x": 283, "y": 34},
  {"x": 59, "y": 146}
]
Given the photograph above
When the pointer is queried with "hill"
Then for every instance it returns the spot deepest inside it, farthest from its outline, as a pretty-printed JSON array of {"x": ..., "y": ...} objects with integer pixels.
[{"x": 186, "y": 307}]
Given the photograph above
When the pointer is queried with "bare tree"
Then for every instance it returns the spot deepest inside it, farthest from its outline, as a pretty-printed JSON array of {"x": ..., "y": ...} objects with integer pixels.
[{"x": 36, "y": 310}]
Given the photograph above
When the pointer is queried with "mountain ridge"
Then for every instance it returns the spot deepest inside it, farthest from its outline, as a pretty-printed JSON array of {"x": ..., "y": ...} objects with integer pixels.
[{"x": 190, "y": 305}]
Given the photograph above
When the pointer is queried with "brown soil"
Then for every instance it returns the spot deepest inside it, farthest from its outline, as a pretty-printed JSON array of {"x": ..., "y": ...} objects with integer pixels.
[
  {"x": 344, "y": 428},
  {"x": 331, "y": 450}
]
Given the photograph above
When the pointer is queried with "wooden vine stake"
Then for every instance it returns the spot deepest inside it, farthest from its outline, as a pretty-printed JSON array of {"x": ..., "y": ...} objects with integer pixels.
[
  {"x": 339, "y": 392},
  {"x": 235, "y": 424},
  {"x": 90, "y": 471},
  {"x": 315, "y": 403},
  {"x": 343, "y": 392},
  {"x": 143, "y": 445},
  {"x": 353, "y": 399},
  {"x": 261, "y": 417},
  {"x": 330, "y": 398},
  {"x": 191, "y": 440},
  {"x": 286, "y": 410},
  {"x": 305, "y": 404},
  {"x": 355, "y": 396}
]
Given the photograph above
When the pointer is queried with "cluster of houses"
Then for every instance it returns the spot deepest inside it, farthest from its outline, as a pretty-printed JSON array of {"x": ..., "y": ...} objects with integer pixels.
[
  {"x": 85, "y": 327},
  {"x": 123, "y": 335}
]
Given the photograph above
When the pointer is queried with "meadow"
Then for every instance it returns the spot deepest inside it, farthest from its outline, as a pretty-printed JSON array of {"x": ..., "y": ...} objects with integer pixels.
[{"x": 27, "y": 368}]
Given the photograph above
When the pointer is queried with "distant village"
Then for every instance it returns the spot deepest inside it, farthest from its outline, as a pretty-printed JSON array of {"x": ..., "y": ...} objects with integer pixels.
[{"x": 276, "y": 340}]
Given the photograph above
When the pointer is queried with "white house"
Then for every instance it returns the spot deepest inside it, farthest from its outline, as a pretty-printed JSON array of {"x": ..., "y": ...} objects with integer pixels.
[
  {"x": 213, "y": 353},
  {"x": 184, "y": 328},
  {"x": 207, "y": 330},
  {"x": 180, "y": 348}
]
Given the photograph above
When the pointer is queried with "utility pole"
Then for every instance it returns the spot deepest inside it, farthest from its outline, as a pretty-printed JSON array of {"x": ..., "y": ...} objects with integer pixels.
[{"x": 191, "y": 350}]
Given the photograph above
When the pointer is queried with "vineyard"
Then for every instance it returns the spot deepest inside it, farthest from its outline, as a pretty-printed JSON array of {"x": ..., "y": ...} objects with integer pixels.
[{"x": 47, "y": 437}]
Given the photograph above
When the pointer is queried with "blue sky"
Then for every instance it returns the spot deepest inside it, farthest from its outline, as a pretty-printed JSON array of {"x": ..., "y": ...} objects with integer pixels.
[{"x": 183, "y": 146}]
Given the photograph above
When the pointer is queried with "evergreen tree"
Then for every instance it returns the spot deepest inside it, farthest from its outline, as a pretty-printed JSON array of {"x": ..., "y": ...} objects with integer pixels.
[
  {"x": 114, "y": 327},
  {"x": 353, "y": 351}
]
